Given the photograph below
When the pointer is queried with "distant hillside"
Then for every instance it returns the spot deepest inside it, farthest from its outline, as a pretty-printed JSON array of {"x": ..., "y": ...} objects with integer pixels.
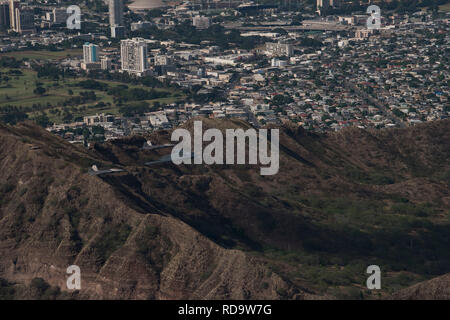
[
  {"x": 435, "y": 289},
  {"x": 339, "y": 203}
]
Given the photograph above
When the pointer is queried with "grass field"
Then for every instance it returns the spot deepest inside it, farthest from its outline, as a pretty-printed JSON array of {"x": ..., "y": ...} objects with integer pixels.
[
  {"x": 18, "y": 91},
  {"x": 43, "y": 54}
]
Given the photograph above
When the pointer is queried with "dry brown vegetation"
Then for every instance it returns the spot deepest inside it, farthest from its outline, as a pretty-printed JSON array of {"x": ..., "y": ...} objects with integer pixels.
[{"x": 338, "y": 204}]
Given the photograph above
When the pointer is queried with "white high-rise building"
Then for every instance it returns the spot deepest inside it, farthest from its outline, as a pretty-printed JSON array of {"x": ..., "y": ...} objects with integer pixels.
[
  {"x": 133, "y": 55},
  {"x": 90, "y": 52},
  {"x": 115, "y": 13},
  {"x": 106, "y": 63},
  {"x": 21, "y": 19},
  {"x": 279, "y": 49},
  {"x": 13, "y": 5}
]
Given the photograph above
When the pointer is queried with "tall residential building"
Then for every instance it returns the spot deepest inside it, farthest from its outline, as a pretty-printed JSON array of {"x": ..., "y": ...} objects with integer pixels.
[
  {"x": 13, "y": 5},
  {"x": 279, "y": 49},
  {"x": 106, "y": 63},
  {"x": 90, "y": 52},
  {"x": 60, "y": 15},
  {"x": 133, "y": 55},
  {"x": 116, "y": 18},
  {"x": 4, "y": 15},
  {"x": 115, "y": 13},
  {"x": 24, "y": 20},
  {"x": 323, "y": 4}
]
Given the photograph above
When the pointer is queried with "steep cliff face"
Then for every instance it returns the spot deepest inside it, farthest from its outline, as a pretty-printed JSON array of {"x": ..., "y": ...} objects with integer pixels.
[
  {"x": 54, "y": 215},
  {"x": 339, "y": 203}
]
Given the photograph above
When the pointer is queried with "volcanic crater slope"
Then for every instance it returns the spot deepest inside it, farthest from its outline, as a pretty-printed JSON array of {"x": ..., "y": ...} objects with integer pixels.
[
  {"x": 339, "y": 203},
  {"x": 53, "y": 215}
]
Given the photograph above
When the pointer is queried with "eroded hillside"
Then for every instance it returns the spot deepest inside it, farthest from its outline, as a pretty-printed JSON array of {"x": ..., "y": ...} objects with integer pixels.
[
  {"x": 54, "y": 215},
  {"x": 339, "y": 203}
]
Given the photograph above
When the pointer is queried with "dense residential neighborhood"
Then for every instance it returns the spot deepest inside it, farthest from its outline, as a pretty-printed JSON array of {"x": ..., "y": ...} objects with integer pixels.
[{"x": 269, "y": 65}]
